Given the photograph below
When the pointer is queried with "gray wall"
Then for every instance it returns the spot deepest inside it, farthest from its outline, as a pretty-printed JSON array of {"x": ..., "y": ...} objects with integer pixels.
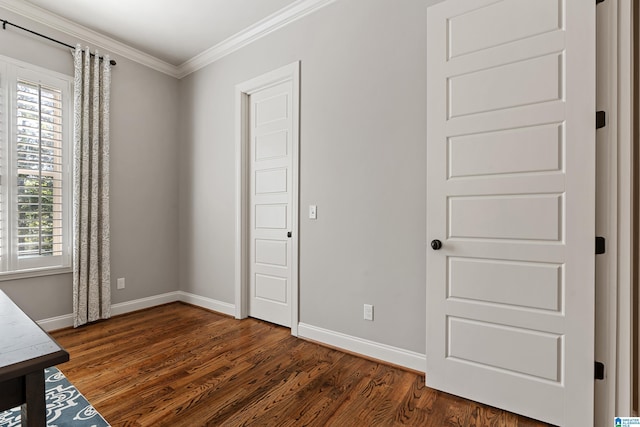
[
  {"x": 144, "y": 177},
  {"x": 362, "y": 161}
]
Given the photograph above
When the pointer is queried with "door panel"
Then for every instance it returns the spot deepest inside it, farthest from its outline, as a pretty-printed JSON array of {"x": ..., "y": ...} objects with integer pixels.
[
  {"x": 271, "y": 252},
  {"x": 527, "y": 82},
  {"x": 271, "y": 288},
  {"x": 270, "y": 189},
  {"x": 483, "y": 154},
  {"x": 271, "y": 181},
  {"x": 531, "y": 353},
  {"x": 511, "y": 21},
  {"x": 516, "y": 217},
  {"x": 506, "y": 282},
  {"x": 271, "y": 216},
  {"x": 510, "y": 191},
  {"x": 271, "y": 145}
]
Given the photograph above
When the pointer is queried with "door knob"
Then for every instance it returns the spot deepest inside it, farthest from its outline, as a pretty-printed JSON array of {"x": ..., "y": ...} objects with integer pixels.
[
  {"x": 289, "y": 234},
  {"x": 436, "y": 244}
]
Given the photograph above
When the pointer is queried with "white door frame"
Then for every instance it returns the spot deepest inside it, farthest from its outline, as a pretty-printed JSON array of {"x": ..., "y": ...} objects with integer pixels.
[
  {"x": 623, "y": 262},
  {"x": 618, "y": 357},
  {"x": 243, "y": 90}
]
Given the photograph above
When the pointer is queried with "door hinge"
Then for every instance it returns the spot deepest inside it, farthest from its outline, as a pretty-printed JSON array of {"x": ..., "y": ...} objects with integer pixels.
[
  {"x": 601, "y": 119},
  {"x": 600, "y": 245},
  {"x": 598, "y": 372}
]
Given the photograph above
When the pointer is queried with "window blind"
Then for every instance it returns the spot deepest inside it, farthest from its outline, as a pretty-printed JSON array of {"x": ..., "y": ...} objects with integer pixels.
[{"x": 39, "y": 142}]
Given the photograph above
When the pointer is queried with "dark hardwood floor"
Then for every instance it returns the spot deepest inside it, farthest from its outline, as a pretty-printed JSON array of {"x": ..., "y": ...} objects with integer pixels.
[{"x": 179, "y": 365}]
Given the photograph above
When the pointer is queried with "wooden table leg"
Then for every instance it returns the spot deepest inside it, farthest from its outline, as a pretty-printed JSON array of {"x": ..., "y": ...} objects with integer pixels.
[{"x": 34, "y": 410}]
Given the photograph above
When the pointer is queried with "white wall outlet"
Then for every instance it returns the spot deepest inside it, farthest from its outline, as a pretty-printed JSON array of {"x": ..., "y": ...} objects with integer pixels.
[
  {"x": 368, "y": 312},
  {"x": 312, "y": 211},
  {"x": 120, "y": 284}
]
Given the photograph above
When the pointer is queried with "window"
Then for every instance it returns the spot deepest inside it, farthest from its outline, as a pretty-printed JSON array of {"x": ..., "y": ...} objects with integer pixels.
[{"x": 35, "y": 170}]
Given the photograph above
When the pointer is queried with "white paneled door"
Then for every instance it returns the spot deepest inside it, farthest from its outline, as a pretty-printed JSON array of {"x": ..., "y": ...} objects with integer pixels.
[
  {"x": 511, "y": 205},
  {"x": 270, "y": 203}
]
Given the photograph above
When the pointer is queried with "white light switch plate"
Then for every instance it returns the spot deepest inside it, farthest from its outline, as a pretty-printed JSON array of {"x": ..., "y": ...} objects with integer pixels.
[
  {"x": 368, "y": 312},
  {"x": 312, "y": 211}
]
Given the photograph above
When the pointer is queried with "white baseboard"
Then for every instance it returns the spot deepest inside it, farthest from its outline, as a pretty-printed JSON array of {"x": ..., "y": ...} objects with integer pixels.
[
  {"x": 58, "y": 322},
  {"x": 142, "y": 303},
  {"x": 375, "y": 350},
  {"x": 65, "y": 321},
  {"x": 208, "y": 303}
]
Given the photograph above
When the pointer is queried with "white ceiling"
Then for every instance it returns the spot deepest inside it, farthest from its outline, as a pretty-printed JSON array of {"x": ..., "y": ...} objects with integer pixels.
[{"x": 170, "y": 30}]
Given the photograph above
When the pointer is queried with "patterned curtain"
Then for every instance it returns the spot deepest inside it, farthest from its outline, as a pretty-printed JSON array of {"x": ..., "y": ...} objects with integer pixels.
[{"x": 91, "y": 260}]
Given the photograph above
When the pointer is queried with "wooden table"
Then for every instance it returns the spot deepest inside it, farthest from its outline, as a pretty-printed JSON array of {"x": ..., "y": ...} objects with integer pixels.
[{"x": 25, "y": 351}]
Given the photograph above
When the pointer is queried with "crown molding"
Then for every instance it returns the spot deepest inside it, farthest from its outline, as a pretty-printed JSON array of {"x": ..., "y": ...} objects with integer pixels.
[
  {"x": 85, "y": 34},
  {"x": 262, "y": 28}
]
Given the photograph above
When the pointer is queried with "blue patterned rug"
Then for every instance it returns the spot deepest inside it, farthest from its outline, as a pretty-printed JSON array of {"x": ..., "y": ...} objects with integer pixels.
[{"x": 66, "y": 406}]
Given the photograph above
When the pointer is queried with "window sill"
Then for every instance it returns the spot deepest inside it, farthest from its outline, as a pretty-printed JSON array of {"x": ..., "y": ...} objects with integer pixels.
[{"x": 36, "y": 272}]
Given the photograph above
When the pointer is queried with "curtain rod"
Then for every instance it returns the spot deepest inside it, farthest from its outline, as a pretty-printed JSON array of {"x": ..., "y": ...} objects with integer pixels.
[{"x": 4, "y": 27}]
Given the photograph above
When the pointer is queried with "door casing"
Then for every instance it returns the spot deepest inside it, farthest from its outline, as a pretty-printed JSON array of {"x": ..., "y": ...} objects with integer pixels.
[{"x": 614, "y": 336}]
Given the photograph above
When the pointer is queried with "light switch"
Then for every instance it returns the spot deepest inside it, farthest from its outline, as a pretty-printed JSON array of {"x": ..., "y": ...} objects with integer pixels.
[
  {"x": 312, "y": 211},
  {"x": 368, "y": 312}
]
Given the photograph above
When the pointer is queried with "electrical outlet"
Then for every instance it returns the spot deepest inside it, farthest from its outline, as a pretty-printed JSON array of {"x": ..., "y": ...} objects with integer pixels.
[
  {"x": 120, "y": 284},
  {"x": 368, "y": 312}
]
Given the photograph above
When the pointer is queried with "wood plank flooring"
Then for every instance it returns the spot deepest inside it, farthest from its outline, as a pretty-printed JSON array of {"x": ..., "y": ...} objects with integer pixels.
[{"x": 179, "y": 365}]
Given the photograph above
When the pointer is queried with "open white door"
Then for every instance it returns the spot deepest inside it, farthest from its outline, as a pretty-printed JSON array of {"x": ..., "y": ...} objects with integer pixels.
[
  {"x": 267, "y": 161},
  {"x": 271, "y": 203},
  {"x": 511, "y": 198}
]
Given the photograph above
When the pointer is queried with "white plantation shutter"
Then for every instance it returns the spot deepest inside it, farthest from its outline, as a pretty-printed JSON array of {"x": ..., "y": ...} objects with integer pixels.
[
  {"x": 35, "y": 184},
  {"x": 39, "y": 170}
]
